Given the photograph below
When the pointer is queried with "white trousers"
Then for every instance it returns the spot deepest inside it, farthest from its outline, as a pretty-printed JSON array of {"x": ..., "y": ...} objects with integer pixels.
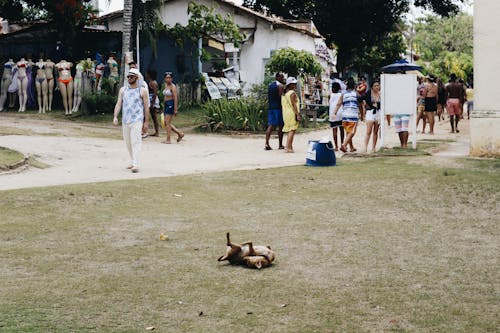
[{"x": 132, "y": 134}]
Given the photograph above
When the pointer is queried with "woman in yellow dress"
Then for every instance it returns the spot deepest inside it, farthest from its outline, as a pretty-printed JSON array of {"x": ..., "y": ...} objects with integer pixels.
[{"x": 291, "y": 112}]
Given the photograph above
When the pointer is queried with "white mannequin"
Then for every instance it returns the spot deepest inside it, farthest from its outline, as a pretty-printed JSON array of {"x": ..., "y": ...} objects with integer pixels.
[
  {"x": 65, "y": 83},
  {"x": 22, "y": 83},
  {"x": 77, "y": 88},
  {"x": 41, "y": 86},
  {"x": 6, "y": 81},
  {"x": 49, "y": 74}
]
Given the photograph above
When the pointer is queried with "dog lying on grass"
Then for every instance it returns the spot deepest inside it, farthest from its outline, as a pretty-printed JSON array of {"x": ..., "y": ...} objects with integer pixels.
[{"x": 246, "y": 253}]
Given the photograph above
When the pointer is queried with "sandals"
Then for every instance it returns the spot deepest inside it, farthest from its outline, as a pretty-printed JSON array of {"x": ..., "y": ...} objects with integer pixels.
[
  {"x": 180, "y": 137},
  {"x": 268, "y": 147}
]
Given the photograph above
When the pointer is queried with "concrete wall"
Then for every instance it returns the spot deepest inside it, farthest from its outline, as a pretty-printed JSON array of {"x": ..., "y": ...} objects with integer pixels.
[{"x": 485, "y": 119}]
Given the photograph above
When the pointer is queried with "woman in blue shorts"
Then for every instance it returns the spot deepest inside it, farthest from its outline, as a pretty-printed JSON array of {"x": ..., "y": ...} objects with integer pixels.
[{"x": 170, "y": 107}]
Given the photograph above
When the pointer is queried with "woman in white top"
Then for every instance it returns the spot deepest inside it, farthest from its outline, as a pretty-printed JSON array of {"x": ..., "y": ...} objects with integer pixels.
[
  {"x": 336, "y": 120},
  {"x": 371, "y": 101}
]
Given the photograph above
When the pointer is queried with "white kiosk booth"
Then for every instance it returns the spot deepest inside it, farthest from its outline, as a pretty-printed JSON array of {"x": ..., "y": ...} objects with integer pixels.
[{"x": 399, "y": 96}]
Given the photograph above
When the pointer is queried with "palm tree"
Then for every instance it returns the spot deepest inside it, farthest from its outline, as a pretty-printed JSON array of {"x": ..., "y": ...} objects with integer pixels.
[{"x": 127, "y": 33}]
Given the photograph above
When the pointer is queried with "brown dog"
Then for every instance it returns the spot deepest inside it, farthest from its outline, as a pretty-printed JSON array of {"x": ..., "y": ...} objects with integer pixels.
[{"x": 257, "y": 256}]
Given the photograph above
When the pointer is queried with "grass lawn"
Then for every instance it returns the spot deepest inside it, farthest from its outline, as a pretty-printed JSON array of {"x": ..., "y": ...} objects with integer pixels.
[{"x": 372, "y": 245}]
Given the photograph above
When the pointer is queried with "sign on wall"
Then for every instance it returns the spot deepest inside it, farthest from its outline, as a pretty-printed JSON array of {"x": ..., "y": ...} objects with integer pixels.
[{"x": 399, "y": 97}]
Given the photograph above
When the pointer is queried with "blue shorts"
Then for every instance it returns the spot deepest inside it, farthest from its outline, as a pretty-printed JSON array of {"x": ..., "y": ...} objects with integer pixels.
[
  {"x": 169, "y": 107},
  {"x": 275, "y": 117}
]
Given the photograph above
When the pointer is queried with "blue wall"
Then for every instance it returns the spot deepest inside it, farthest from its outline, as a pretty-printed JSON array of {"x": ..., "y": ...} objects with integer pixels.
[{"x": 169, "y": 58}]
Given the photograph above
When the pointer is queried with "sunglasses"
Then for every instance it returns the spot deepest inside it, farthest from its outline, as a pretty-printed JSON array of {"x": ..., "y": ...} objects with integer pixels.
[{"x": 131, "y": 76}]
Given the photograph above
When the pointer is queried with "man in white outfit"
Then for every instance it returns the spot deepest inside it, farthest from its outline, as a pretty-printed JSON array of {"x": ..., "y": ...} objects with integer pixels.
[{"x": 133, "y": 102}]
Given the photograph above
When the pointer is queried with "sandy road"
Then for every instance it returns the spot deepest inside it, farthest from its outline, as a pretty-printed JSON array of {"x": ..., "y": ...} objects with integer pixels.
[{"x": 76, "y": 159}]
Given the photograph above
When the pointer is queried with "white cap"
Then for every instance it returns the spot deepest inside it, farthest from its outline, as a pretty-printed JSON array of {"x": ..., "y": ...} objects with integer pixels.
[
  {"x": 133, "y": 71},
  {"x": 290, "y": 80}
]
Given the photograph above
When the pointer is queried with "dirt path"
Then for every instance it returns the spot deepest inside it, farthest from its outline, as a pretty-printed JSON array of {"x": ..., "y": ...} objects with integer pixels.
[{"x": 78, "y": 159}]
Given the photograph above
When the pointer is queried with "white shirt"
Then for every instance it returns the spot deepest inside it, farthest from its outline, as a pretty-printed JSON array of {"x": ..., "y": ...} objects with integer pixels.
[{"x": 334, "y": 99}]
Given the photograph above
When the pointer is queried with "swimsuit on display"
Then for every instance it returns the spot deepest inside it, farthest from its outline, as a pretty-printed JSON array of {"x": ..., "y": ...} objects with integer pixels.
[
  {"x": 8, "y": 66},
  {"x": 65, "y": 81}
]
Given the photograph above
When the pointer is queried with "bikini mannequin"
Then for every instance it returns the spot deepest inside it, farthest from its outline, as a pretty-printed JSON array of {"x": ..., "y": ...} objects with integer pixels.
[
  {"x": 65, "y": 83},
  {"x": 22, "y": 84},
  {"x": 49, "y": 74},
  {"x": 41, "y": 86},
  {"x": 99, "y": 72},
  {"x": 77, "y": 88},
  {"x": 114, "y": 75},
  {"x": 6, "y": 81}
]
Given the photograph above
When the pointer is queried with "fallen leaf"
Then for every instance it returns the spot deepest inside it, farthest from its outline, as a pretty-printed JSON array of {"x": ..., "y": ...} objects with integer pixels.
[
  {"x": 200, "y": 314},
  {"x": 284, "y": 305},
  {"x": 177, "y": 195},
  {"x": 150, "y": 328}
]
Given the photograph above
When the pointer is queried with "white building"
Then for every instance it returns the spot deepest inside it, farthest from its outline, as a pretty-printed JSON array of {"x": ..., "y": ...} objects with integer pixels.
[
  {"x": 485, "y": 119},
  {"x": 264, "y": 34}
]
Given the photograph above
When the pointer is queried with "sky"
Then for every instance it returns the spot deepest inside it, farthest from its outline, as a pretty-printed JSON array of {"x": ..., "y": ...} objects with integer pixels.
[{"x": 118, "y": 4}]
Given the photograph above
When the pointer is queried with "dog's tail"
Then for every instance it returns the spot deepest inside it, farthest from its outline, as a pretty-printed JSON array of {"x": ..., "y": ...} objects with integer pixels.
[{"x": 228, "y": 240}]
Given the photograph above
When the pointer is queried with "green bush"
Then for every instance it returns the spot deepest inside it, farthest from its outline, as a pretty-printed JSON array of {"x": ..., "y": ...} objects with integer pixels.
[
  {"x": 99, "y": 102},
  {"x": 245, "y": 114}
]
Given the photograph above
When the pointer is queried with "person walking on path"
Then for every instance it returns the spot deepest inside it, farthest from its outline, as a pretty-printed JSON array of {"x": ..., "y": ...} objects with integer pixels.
[
  {"x": 350, "y": 108},
  {"x": 133, "y": 102},
  {"x": 431, "y": 99},
  {"x": 275, "y": 113},
  {"x": 291, "y": 112},
  {"x": 336, "y": 120},
  {"x": 421, "y": 103},
  {"x": 361, "y": 90},
  {"x": 170, "y": 111},
  {"x": 371, "y": 101},
  {"x": 154, "y": 101},
  {"x": 454, "y": 96},
  {"x": 441, "y": 99}
]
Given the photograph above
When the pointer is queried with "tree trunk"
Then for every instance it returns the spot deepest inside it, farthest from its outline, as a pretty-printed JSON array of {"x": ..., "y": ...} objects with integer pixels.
[{"x": 126, "y": 34}]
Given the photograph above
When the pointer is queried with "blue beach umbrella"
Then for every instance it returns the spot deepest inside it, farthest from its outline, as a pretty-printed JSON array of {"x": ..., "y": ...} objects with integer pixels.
[{"x": 401, "y": 66}]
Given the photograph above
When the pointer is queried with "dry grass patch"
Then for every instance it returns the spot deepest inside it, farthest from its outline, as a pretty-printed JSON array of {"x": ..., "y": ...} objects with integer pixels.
[{"x": 379, "y": 246}]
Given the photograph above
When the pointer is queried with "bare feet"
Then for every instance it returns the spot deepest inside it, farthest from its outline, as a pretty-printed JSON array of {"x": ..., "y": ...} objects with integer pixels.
[
  {"x": 167, "y": 142},
  {"x": 130, "y": 167},
  {"x": 180, "y": 137},
  {"x": 343, "y": 149},
  {"x": 289, "y": 150}
]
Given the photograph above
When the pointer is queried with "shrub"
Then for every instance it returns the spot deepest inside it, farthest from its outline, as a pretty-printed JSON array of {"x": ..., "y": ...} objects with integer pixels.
[
  {"x": 99, "y": 102},
  {"x": 245, "y": 114}
]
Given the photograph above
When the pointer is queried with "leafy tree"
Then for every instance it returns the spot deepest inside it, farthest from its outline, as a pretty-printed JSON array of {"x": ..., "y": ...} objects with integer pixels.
[
  {"x": 445, "y": 45},
  {"x": 386, "y": 50},
  {"x": 203, "y": 21},
  {"x": 351, "y": 25},
  {"x": 293, "y": 62}
]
